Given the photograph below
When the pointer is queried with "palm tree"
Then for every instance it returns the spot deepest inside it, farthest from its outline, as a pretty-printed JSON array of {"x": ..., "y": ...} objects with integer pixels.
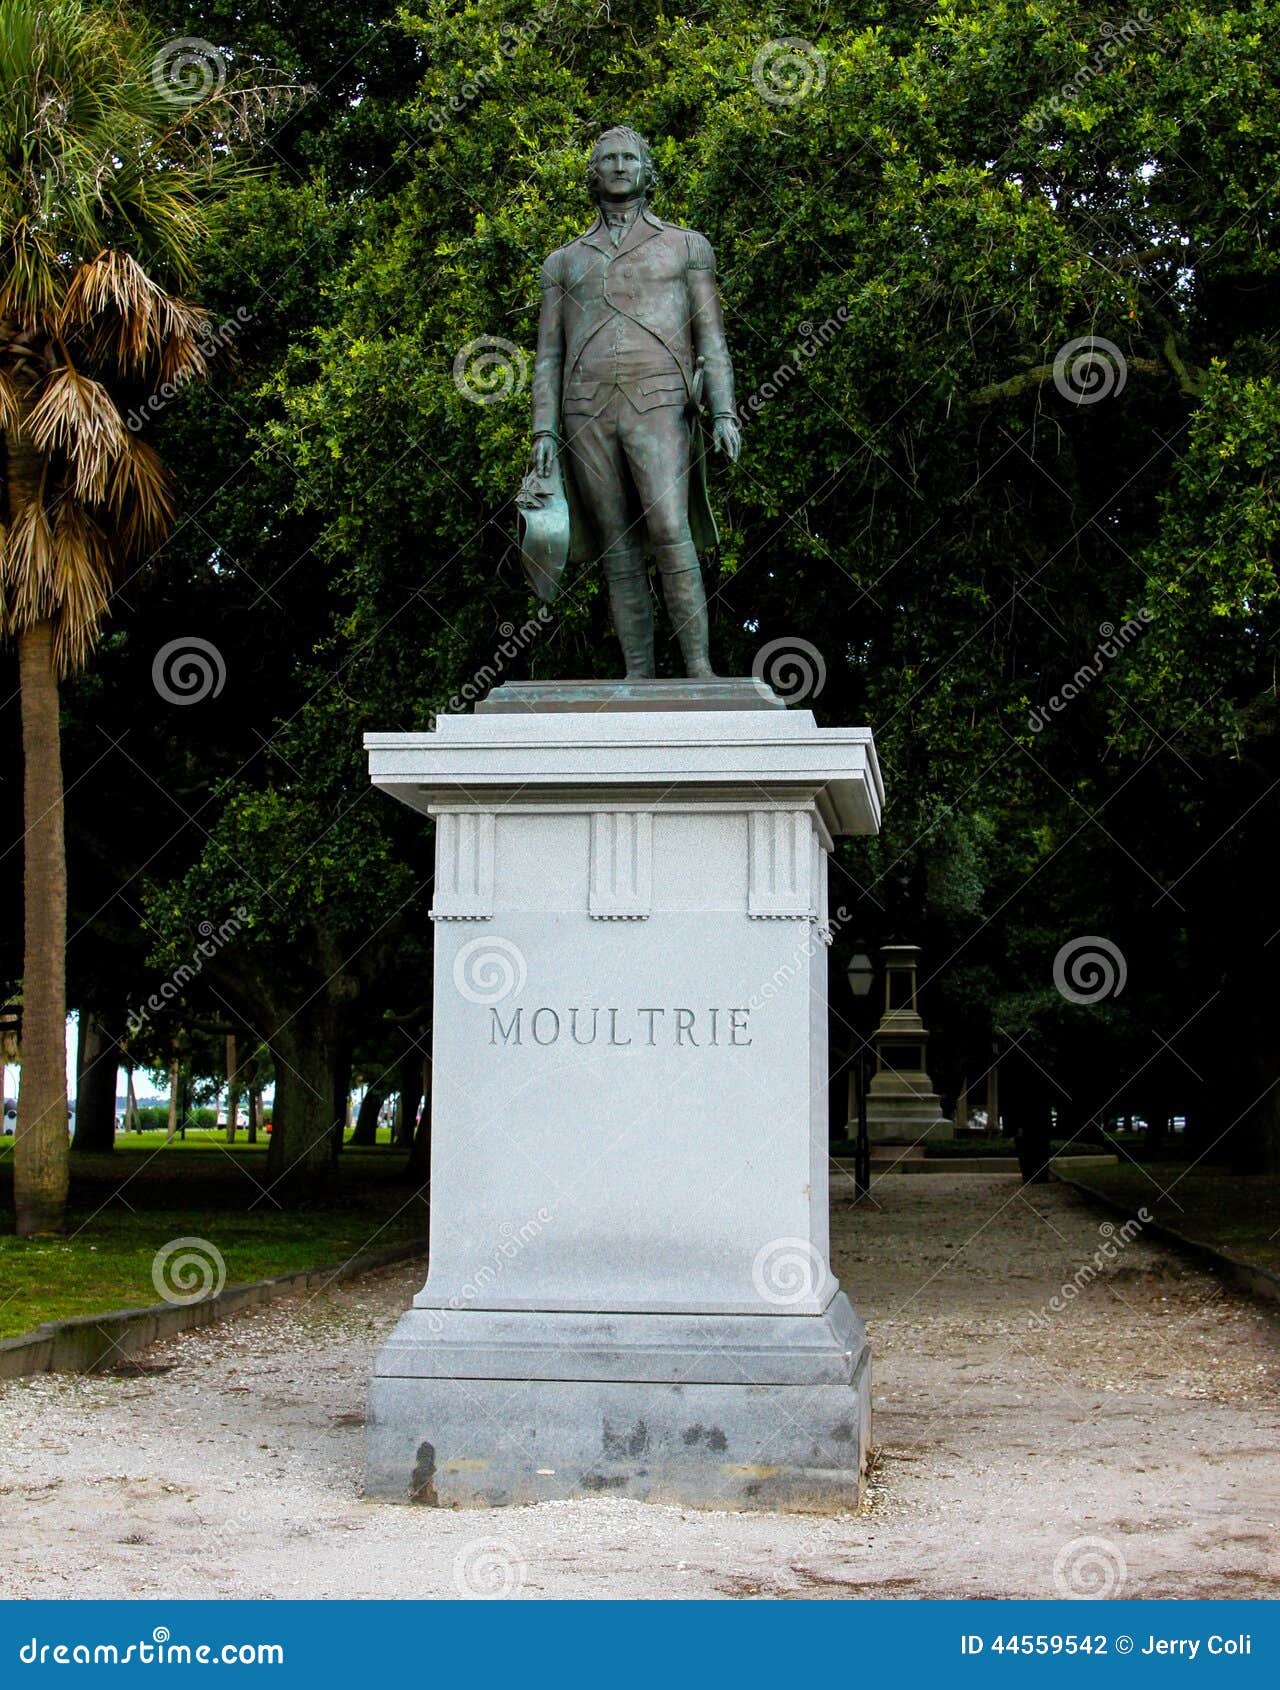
[{"x": 109, "y": 151}]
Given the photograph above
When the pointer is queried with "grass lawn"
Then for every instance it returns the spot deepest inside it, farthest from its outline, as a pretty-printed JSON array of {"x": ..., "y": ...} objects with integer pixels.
[
  {"x": 1238, "y": 1213},
  {"x": 126, "y": 1207}
]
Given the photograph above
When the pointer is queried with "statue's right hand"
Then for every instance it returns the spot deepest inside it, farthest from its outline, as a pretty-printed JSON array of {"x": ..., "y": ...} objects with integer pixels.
[{"x": 543, "y": 458}]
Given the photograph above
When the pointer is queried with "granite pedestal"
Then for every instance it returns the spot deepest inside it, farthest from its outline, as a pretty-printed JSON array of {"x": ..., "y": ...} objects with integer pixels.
[{"x": 629, "y": 1289}]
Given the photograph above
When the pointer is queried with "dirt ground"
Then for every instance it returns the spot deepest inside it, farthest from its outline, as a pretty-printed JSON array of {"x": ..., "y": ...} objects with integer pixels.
[{"x": 1125, "y": 1444}]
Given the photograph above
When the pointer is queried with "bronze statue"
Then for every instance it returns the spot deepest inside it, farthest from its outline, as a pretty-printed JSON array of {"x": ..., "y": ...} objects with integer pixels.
[{"x": 631, "y": 356}]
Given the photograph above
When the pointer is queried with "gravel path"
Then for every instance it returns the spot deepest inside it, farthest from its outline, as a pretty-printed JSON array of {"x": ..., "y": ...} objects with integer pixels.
[{"x": 1125, "y": 1445}]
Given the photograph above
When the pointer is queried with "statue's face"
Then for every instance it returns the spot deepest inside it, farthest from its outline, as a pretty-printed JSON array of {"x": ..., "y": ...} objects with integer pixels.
[{"x": 619, "y": 167}]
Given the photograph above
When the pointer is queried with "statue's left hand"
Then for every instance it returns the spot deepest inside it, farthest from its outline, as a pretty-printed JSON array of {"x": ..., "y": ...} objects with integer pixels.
[
  {"x": 726, "y": 437},
  {"x": 542, "y": 459}
]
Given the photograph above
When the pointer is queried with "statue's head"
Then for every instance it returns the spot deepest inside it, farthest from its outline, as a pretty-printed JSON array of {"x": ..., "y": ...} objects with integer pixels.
[{"x": 621, "y": 165}]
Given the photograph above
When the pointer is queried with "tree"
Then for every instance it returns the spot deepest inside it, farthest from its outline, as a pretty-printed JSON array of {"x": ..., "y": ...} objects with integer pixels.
[
  {"x": 238, "y": 566},
  {"x": 948, "y": 197},
  {"x": 97, "y": 1062},
  {"x": 977, "y": 262},
  {"x": 316, "y": 907},
  {"x": 104, "y": 169}
]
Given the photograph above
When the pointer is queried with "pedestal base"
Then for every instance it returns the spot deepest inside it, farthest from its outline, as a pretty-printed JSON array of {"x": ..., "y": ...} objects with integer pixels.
[
  {"x": 483, "y": 1408},
  {"x": 907, "y": 1127},
  {"x": 905, "y": 1109}
]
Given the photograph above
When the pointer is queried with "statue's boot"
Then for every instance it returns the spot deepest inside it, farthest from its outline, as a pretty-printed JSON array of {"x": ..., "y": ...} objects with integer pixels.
[
  {"x": 687, "y": 605},
  {"x": 631, "y": 603}
]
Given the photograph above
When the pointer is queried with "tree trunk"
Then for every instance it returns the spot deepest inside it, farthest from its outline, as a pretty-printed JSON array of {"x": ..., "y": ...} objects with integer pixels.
[
  {"x": 172, "y": 1132},
  {"x": 1255, "y": 1143},
  {"x": 409, "y": 1081},
  {"x": 233, "y": 1093},
  {"x": 132, "y": 1119},
  {"x": 1157, "y": 1121},
  {"x": 1032, "y": 1137},
  {"x": 255, "y": 1111},
  {"x": 366, "y": 1127},
  {"x": 1028, "y": 1115},
  {"x": 97, "y": 1059},
  {"x": 420, "y": 1152},
  {"x": 993, "y": 1094},
  {"x": 341, "y": 1094},
  {"x": 41, "y": 1164},
  {"x": 300, "y": 1161}
]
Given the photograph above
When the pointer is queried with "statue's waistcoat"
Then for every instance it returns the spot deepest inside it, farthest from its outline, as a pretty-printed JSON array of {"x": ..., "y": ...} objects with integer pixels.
[{"x": 645, "y": 279}]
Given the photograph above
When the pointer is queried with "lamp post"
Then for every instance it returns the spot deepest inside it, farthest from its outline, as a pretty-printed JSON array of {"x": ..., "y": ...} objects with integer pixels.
[{"x": 860, "y": 974}]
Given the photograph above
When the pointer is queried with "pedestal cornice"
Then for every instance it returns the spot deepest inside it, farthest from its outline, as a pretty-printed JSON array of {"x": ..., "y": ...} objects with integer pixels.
[{"x": 646, "y": 759}]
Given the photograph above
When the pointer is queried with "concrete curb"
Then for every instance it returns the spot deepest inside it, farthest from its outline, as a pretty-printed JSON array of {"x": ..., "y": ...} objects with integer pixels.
[
  {"x": 1258, "y": 1281},
  {"x": 84, "y": 1344},
  {"x": 956, "y": 1164}
]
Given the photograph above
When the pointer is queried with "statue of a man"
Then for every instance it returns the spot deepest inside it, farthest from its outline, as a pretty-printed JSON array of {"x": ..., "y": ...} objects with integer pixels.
[{"x": 631, "y": 354}]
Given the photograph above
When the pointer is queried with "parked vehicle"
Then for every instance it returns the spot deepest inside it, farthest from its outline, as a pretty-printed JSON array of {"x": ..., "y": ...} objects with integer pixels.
[{"x": 10, "y": 1126}]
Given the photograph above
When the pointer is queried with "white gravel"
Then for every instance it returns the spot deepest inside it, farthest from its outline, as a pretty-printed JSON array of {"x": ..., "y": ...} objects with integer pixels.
[{"x": 1128, "y": 1446}]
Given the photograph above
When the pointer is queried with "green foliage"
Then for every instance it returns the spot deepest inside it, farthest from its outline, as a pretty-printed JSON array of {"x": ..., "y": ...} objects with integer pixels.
[
  {"x": 904, "y": 251},
  {"x": 97, "y": 151},
  {"x": 154, "y": 1119},
  {"x": 1211, "y": 573}
]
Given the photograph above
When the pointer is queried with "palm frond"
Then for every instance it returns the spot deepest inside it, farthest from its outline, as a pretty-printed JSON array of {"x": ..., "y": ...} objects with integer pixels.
[
  {"x": 31, "y": 276},
  {"x": 81, "y": 584},
  {"x": 105, "y": 180},
  {"x": 139, "y": 497},
  {"x": 26, "y": 569},
  {"x": 184, "y": 349},
  {"x": 126, "y": 319},
  {"x": 10, "y": 409},
  {"x": 231, "y": 118},
  {"x": 114, "y": 294},
  {"x": 77, "y": 415}
]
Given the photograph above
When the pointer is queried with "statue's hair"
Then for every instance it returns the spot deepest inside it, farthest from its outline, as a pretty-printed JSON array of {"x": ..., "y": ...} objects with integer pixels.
[{"x": 649, "y": 179}]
